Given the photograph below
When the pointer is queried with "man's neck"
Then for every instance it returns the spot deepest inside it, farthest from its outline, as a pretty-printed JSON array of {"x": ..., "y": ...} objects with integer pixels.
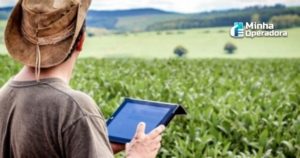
[{"x": 62, "y": 71}]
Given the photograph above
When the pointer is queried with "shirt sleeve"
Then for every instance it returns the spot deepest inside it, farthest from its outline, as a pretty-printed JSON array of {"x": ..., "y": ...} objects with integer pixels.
[{"x": 87, "y": 138}]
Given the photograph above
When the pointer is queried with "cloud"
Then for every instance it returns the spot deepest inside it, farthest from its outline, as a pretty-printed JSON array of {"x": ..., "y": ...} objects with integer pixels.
[{"x": 186, "y": 6}]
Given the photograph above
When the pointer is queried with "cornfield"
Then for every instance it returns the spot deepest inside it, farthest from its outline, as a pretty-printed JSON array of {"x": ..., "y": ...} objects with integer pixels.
[{"x": 236, "y": 108}]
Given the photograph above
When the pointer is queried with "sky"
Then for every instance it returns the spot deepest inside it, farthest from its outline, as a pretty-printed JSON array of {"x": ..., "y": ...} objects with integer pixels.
[{"x": 184, "y": 6}]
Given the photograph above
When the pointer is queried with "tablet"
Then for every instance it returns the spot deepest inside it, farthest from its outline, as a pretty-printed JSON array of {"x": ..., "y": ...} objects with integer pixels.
[{"x": 123, "y": 123}]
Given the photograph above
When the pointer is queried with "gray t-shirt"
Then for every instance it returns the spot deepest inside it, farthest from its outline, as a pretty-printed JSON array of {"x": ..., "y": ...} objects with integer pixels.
[{"x": 49, "y": 119}]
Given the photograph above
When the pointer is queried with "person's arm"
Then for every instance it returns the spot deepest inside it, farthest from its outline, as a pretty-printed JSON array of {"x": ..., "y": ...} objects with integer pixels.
[{"x": 87, "y": 138}]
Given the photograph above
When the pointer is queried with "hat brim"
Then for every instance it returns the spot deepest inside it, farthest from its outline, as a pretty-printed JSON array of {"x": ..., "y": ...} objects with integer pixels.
[{"x": 25, "y": 52}]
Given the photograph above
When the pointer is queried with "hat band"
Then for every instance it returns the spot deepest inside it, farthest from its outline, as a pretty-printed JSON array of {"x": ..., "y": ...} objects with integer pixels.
[{"x": 48, "y": 40}]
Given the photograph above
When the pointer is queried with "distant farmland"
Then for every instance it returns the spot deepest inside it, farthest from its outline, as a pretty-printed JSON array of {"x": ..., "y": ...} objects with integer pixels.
[{"x": 201, "y": 43}]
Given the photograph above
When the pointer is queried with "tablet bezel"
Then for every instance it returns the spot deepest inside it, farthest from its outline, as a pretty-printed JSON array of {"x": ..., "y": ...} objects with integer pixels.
[{"x": 165, "y": 121}]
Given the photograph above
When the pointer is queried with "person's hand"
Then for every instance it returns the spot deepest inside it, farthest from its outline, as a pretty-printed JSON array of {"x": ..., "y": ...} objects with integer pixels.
[{"x": 142, "y": 145}]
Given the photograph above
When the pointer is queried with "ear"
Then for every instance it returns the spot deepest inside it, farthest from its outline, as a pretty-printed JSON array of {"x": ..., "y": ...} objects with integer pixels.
[{"x": 80, "y": 43}]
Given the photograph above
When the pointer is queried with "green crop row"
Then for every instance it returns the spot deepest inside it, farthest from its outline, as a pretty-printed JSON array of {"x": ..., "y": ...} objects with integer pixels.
[{"x": 236, "y": 108}]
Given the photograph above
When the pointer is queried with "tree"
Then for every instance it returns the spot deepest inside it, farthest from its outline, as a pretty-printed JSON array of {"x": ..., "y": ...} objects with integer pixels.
[
  {"x": 90, "y": 34},
  {"x": 180, "y": 51},
  {"x": 230, "y": 48},
  {"x": 285, "y": 21},
  {"x": 255, "y": 18}
]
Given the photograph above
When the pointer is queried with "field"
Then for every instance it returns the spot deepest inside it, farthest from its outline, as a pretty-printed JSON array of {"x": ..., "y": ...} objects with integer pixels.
[
  {"x": 2, "y": 26},
  {"x": 201, "y": 43},
  {"x": 236, "y": 108}
]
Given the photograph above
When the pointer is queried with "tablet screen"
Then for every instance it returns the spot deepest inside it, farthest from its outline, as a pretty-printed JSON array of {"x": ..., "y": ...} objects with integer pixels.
[{"x": 125, "y": 122}]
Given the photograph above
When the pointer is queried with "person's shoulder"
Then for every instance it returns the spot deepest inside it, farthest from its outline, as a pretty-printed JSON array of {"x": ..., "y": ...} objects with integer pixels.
[
  {"x": 85, "y": 101},
  {"x": 70, "y": 98}
]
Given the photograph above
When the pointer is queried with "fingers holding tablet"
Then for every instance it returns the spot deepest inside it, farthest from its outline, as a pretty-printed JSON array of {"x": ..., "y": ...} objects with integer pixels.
[
  {"x": 156, "y": 132},
  {"x": 145, "y": 145},
  {"x": 140, "y": 131}
]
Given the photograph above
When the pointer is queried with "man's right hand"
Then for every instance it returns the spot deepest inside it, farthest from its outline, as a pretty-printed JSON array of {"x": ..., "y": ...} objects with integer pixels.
[{"x": 144, "y": 145}]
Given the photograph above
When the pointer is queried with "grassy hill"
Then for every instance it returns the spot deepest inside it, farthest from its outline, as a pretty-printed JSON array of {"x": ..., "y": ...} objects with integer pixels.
[
  {"x": 109, "y": 19},
  {"x": 142, "y": 22},
  {"x": 201, "y": 43},
  {"x": 153, "y": 19},
  {"x": 2, "y": 27},
  {"x": 4, "y": 12}
]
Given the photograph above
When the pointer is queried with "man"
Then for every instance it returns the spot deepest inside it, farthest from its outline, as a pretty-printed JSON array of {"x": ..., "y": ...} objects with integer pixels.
[{"x": 41, "y": 116}]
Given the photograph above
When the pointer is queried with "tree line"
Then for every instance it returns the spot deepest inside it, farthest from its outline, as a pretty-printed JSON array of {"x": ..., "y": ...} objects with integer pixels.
[{"x": 280, "y": 15}]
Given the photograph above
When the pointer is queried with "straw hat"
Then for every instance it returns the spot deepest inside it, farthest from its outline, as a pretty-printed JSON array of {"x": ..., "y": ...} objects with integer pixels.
[{"x": 41, "y": 33}]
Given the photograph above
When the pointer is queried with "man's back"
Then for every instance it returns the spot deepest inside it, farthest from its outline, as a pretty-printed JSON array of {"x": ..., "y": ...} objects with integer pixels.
[{"x": 49, "y": 119}]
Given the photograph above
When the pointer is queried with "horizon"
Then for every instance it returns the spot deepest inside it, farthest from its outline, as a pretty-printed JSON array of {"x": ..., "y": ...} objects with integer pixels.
[{"x": 178, "y": 6}]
